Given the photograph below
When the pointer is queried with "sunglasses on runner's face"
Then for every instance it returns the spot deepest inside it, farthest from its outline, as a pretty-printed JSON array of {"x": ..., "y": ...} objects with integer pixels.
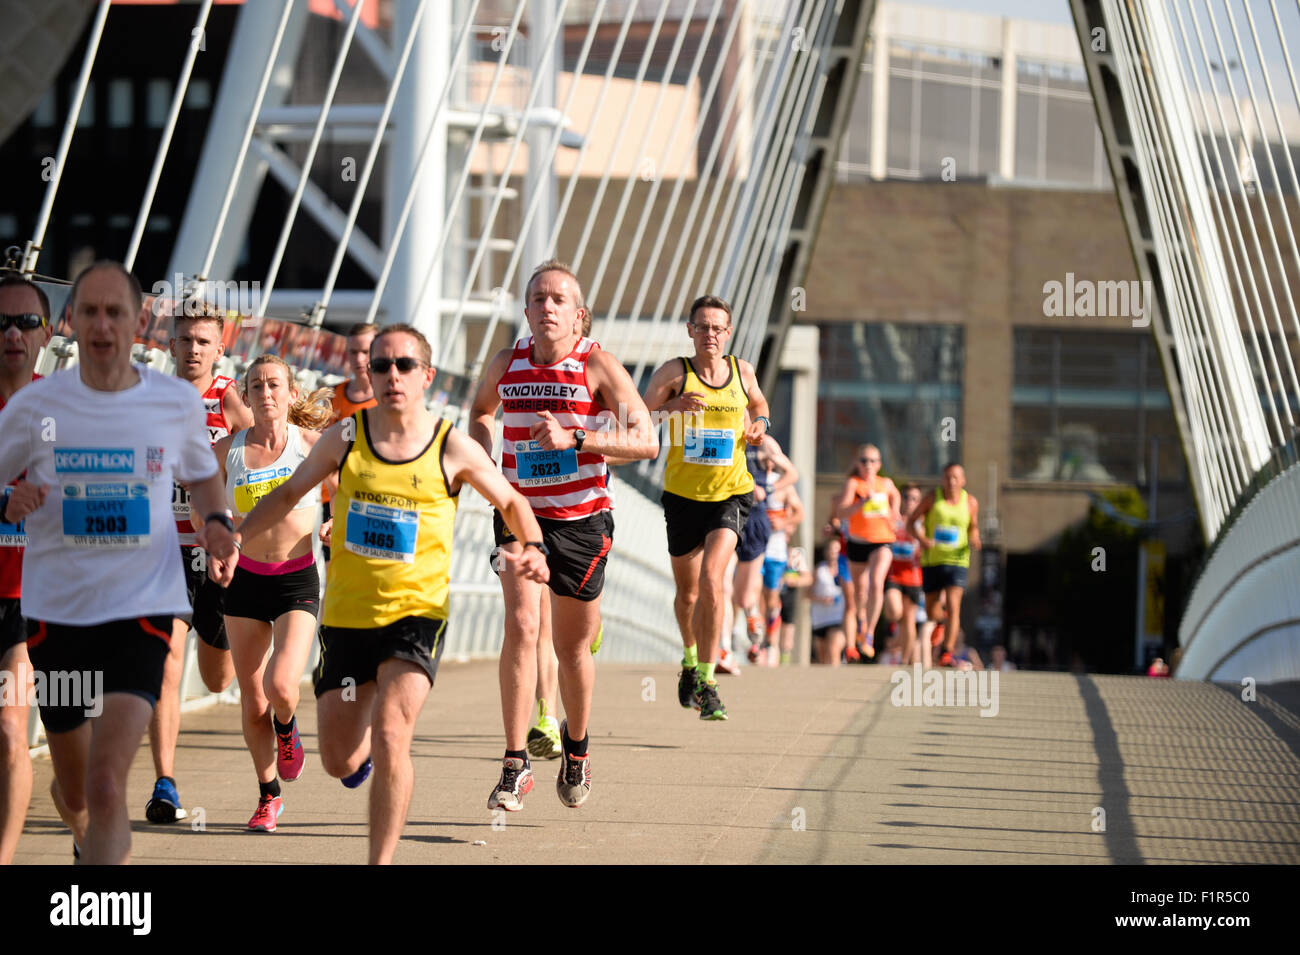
[
  {"x": 868, "y": 460},
  {"x": 380, "y": 366},
  {"x": 25, "y": 321}
]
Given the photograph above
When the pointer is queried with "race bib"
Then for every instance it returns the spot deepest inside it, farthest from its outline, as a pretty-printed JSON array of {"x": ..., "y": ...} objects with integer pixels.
[
  {"x": 255, "y": 485},
  {"x": 385, "y": 533},
  {"x": 946, "y": 536},
  {"x": 537, "y": 467},
  {"x": 876, "y": 504},
  {"x": 903, "y": 550},
  {"x": 180, "y": 502},
  {"x": 710, "y": 446},
  {"x": 11, "y": 535},
  {"x": 106, "y": 515}
]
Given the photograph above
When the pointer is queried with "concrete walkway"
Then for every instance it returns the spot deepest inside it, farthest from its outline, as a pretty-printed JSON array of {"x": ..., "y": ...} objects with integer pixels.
[{"x": 815, "y": 765}]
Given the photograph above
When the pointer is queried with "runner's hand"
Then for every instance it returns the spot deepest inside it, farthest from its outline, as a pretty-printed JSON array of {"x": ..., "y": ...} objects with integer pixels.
[
  {"x": 529, "y": 563},
  {"x": 222, "y": 571},
  {"x": 326, "y": 531},
  {"x": 688, "y": 401},
  {"x": 754, "y": 433},
  {"x": 550, "y": 435},
  {"x": 23, "y": 499},
  {"x": 217, "y": 541}
]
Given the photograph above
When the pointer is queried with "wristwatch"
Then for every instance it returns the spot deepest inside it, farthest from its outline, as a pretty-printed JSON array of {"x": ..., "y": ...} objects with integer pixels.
[
  {"x": 540, "y": 546},
  {"x": 579, "y": 436},
  {"x": 224, "y": 518}
]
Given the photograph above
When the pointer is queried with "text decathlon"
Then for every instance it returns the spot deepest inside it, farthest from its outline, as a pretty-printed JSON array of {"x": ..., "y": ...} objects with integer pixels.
[
  {"x": 94, "y": 461},
  {"x": 946, "y": 688},
  {"x": 75, "y": 907}
]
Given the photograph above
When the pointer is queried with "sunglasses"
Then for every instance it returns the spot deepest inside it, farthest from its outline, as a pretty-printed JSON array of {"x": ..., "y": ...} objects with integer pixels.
[
  {"x": 868, "y": 460},
  {"x": 380, "y": 366},
  {"x": 25, "y": 321}
]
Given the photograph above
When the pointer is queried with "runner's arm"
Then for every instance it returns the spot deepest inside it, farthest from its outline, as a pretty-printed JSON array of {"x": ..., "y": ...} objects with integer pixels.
[
  {"x": 661, "y": 394},
  {"x": 757, "y": 408},
  {"x": 614, "y": 388},
  {"x": 465, "y": 462},
  {"x": 789, "y": 473},
  {"x": 15, "y": 440},
  {"x": 918, "y": 521},
  {"x": 483, "y": 410},
  {"x": 220, "y": 450},
  {"x": 848, "y": 502},
  {"x": 973, "y": 535}
]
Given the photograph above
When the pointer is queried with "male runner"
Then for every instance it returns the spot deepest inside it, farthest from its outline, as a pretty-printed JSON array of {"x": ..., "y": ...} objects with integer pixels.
[
  {"x": 763, "y": 460},
  {"x": 196, "y": 345},
  {"x": 708, "y": 490},
  {"x": 350, "y": 396},
  {"x": 385, "y": 613},
  {"x": 552, "y": 387},
  {"x": 946, "y": 525},
  {"x": 24, "y": 329},
  {"x": 102, "y": 444}
]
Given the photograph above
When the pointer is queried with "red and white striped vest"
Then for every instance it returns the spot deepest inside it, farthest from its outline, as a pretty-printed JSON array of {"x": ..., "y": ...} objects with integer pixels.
[
  {"x": 560, "y": 485},
  {"x": 218, "y": 428}
]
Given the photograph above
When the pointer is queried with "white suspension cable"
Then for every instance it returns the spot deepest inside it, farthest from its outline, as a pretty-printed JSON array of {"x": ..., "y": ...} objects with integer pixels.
[
  {"x": 409, "y": 201},
  {"x": 274, "y": 270},
  {"x": 33, "y": 249},
  {"x": 648, "y": 204},
  {"x": 229, "y": 197},
  {"x": 535, "y": 200},
  {"x": 449, "y": 221},
  {"x": 535, "y": 87},
  {"x": 178, "y": 97}
]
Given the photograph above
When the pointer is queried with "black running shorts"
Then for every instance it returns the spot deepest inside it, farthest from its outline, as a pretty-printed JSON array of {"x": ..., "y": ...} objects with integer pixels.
[
  {"x": 914, "y": 594},
  {"x": 128, "y": 653},
  {"x": 690, "y": 521},
  {"x": 860, "y": 552},
  {"x": 350, "y": 657},
  {"x": 578, "y": 551},
  {"x": 207, "y": 597},
  {"x": 754, "y": 538},
  {"x": 268, "y": 597},
  {"x": 12, "y": 629}
]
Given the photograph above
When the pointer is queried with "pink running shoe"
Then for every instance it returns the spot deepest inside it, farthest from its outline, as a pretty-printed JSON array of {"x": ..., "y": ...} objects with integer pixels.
[
  {"x": 268, "y": 810},
  {"x": 289, "y": 755}
]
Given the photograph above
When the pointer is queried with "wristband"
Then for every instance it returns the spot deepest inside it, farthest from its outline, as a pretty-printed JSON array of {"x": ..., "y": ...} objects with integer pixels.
[
  {"x": 540, "y": 546},
  {"x": 224, "y": 518},
  {"x": 767, "y": 423}
]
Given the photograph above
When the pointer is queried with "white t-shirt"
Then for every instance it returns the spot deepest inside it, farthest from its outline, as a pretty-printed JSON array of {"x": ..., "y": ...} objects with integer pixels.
[
  {"x": 824, "y": 585},
  {"x": 103, "y": 546}
]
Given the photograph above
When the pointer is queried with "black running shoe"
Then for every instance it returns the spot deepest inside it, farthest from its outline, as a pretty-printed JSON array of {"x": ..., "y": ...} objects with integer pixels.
[
  {"x": 686, "y": 688},
  {"x": 707, "y": 702}
]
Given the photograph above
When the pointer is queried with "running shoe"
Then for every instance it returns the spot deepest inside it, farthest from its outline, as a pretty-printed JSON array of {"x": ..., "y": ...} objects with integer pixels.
[
  {"x": 754, "y": 653},
  {"x": 360, "y": 776},
  {"x": 544, "y": 738},
  {"x": 164, "y": 805},
  {"x": 851, "y": 654},
  {"x": 868, "y": 649},
  {"x": 754, "y": 627},
  {"x": 727, "y": 664},
  {"x": 268, "y": 810},
  {"x": 289, "y": 756},
  {"x": 945, "y": 659},
  {"x": 574, "y": 782},
  {"x": 686, "y": 687},
  {"x": 707, "y": 702},
  {"x": 516, "y": 783},
  {"x": 600, "y": 638}
]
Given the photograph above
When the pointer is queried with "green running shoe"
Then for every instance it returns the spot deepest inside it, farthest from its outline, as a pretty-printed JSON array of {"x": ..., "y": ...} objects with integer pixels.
[
  {"x": 707, "y": 702},
  {"x": 600, "y": 638},
  {"x": 543, "y": 740}
]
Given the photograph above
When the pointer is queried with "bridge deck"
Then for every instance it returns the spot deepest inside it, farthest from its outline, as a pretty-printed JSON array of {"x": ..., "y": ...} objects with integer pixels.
[{"x": 1184, "y": 772}]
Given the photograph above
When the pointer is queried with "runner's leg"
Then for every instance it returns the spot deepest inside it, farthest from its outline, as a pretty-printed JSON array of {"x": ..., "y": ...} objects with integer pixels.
[
  {"x": 114, "y": 739},
  {"x": 575, "y": 623},
  {"x": 402, "y": 688},
  {"x": 15, "y": 764},
  {"x": 517, "y": 669},
  {"x": 249, "y": 642},
  {"x": 343, "y": 728}
]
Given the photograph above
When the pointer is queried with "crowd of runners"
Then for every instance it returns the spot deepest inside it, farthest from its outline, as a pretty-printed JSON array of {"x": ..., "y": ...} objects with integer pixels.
[{"x": 112, "y": 466}]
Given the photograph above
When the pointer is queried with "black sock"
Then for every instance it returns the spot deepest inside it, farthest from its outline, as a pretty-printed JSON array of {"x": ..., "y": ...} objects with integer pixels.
[
  {"x": 574, "y": 747},
  {"x": 519, "y": 754},
  {"x": 271, "y": 789},
  {"x": 169, "y": 779},
  {"x": 283, "y": 729}
]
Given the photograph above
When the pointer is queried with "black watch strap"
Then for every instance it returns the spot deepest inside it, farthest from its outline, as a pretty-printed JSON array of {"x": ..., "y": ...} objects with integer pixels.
[
  {"x": 223, "y": 518},
  {"x": 540, "y": 546},
  {"x": 580, "y": 437}
]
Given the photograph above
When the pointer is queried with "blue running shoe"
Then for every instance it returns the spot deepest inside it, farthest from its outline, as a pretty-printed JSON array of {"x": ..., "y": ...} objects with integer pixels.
[
  {"x": 360, "y": 776},
  {"x": 164, "y": 805}
]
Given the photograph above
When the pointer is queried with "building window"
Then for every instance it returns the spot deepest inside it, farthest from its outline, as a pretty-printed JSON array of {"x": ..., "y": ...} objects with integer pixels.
[
  {"x": 87, "y": 115},
  {"x": 1086, "y": 406},
  {"x": 44, "y": 115},
  {"x": 891, "y": 385},
  {"x": 159, "y": 103},
  {"x": 198, "y": 95},
  {"x": 121, "y": 104}
]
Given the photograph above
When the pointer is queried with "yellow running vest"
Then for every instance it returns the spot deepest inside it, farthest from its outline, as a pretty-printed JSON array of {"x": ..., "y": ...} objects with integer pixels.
[
  {"x": 391, "y": 551},
  {"x": 947, "y": 525},
  {"x": 706, "y": 457}
]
